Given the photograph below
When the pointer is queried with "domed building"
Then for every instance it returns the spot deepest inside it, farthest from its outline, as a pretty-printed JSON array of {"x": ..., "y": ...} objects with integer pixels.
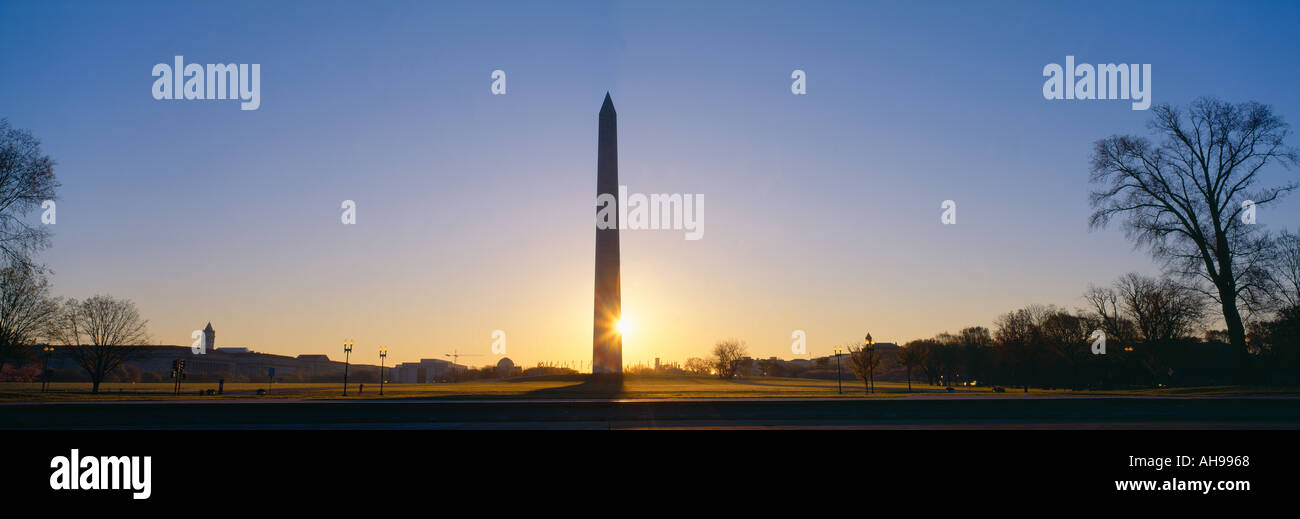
[{"x": 505, "y": 367}]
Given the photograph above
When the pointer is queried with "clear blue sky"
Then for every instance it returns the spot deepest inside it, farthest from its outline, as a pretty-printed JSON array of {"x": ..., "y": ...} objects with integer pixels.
[{"x": 474, "y": 210}]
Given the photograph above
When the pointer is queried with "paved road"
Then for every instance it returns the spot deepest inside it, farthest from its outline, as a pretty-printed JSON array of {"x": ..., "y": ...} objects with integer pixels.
[{"x": 891, "y": 413}]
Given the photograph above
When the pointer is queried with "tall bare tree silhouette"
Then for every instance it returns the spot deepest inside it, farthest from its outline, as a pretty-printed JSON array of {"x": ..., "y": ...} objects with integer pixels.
[
  {"x": 26, "y": 181},
  {"x": 1184, "y": 196}
]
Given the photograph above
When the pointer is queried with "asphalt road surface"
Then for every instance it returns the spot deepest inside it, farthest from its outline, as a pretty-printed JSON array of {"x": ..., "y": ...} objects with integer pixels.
[{"x": 892, "y": 413}]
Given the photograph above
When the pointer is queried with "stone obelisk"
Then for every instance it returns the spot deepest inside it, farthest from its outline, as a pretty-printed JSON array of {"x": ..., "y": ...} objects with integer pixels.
[{"x": 606, "y": 341}]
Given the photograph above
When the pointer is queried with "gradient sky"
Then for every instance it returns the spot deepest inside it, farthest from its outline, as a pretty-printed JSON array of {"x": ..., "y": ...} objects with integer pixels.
[{"x": 475, "y": 211}]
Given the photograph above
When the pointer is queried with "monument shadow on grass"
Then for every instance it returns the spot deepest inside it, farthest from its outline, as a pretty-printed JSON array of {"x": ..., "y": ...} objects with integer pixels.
[{"x": 607, "y": 385}]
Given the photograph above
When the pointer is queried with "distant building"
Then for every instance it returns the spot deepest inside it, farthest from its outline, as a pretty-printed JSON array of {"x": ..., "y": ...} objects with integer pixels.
[
  {"x": 404, "y": 373},
  {"x": 209, "y": 338},
  {"x": 438, "y": 369},
  {"x": 154, "y": 363},
  {"x": 424, "y": 371},
  {"x": 505, "y": 367}
]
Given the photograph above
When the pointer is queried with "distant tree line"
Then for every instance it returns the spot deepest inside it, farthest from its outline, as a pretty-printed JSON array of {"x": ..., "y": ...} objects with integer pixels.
[{"x": 1154, "y": 332}]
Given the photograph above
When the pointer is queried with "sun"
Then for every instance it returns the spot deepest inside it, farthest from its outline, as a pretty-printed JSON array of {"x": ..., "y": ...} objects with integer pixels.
[{"x": 626, "y": 325}]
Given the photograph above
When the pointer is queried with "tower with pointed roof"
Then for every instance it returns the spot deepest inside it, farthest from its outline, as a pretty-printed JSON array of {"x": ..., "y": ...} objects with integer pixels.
[
  {"x": 209, "y": 339},
  {"x": 606, "y": 341}
]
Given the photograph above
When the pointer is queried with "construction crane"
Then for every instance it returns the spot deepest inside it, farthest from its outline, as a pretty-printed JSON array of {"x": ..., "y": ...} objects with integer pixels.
[{"x": 455, "y": 357}]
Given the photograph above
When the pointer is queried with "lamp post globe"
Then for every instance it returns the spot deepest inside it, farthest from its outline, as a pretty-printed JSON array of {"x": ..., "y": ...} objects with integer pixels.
[
  {"x": 347, "y": 352},
  {"x": 383, "y": 352}
]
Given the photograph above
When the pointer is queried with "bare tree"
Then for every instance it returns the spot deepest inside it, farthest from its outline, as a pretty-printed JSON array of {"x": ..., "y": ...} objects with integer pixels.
[
  {"x": 1019, "y": 338},
  {"x": 1068, "y": 335},
  {"x": 1161, "y": 309},
  {"x": 909, "y": 356},
  {"x": 946, "y": 350},
  {"x": 102, "y": 333},
  {"x": 26, "y": 310},
  {"x": 1285, "y": 270},
  {"x": 26, "y": 181},
  {"x": 698, "y": 366},
  {"x": 726, "y": 357},
  {"x": 1162, "y": 312},
  {"x": 975, "y": 336},
  {"x": 1279, "y": 340},
  {"x": 976, "y": 345},
  {"x": 864, "y": 360},
  {"x": 1119, "y": 329},
  {"x": 1183, "y": 198},
  {"x": 930, "y": 361}
]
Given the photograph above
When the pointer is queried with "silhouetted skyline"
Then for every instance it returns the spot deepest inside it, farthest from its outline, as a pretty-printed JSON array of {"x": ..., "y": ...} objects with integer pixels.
[{"x": 474, "y": 209}]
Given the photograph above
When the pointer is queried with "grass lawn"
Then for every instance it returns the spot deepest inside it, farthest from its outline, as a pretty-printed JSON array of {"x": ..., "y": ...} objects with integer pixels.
[{"x": 632, "y": 387}]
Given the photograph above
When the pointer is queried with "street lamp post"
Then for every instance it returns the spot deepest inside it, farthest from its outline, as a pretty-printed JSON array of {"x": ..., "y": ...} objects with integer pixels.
[
  {"x": 871, "y": 357},
  {"x": 347, "y": 352},
  {"x": 45, "y": 367},
  {"x": 383, "y": 352},
  {"x": 839, "y": 377}
]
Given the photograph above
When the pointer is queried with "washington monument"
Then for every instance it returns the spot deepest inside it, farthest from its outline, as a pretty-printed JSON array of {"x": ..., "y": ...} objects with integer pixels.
[{"x": 606, "y": 341}]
